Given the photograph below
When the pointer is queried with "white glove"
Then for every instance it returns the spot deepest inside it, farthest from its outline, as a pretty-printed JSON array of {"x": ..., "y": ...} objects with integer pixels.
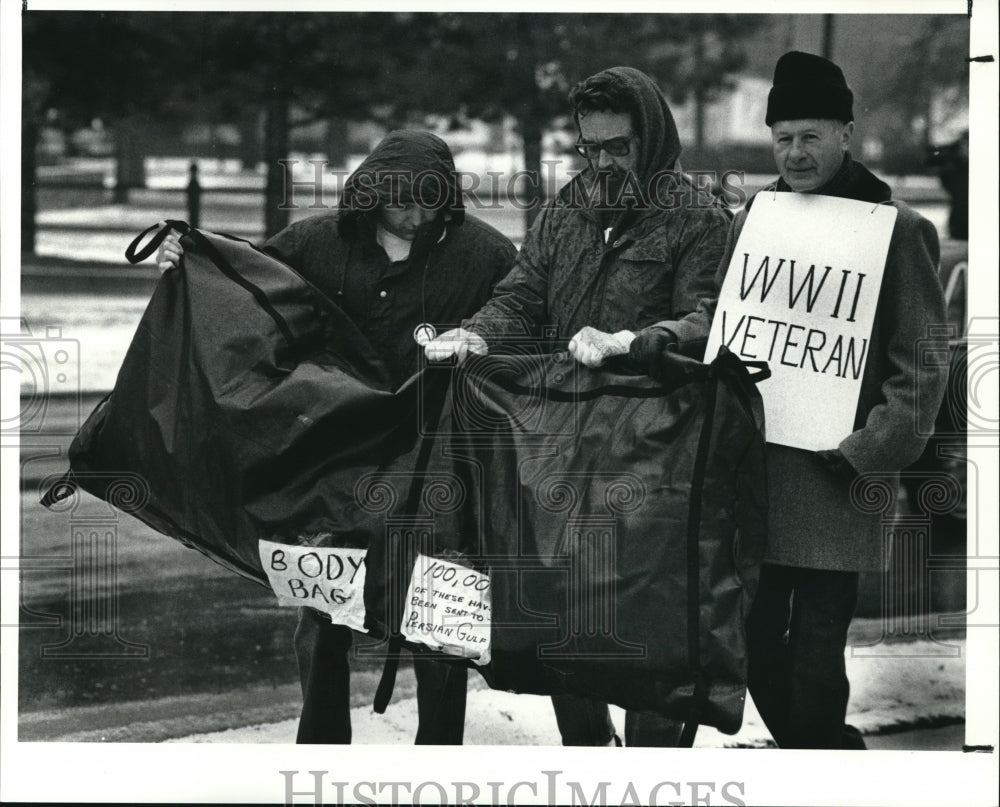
[
  {"x": 456, "y": 342},
  {"x": 592, "y": 347}
]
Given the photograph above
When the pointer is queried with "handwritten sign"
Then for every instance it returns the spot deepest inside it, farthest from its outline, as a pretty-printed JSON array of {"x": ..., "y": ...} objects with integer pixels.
[
  {"x": 448, "y": 609},
  {"x": 329, "y": 579},
  {"x": 800, "y": 293}
]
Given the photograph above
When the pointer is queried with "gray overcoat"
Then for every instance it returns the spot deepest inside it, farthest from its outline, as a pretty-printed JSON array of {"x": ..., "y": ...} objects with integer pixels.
[{"x": 817, "y": 518}]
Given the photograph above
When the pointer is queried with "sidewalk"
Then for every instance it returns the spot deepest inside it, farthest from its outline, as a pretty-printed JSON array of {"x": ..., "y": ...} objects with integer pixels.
[{"x": 910, "y": 694}]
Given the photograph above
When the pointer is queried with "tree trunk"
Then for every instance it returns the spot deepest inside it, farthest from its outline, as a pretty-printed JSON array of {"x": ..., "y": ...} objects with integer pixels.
[
  {"x": 29, "y": 193},
  {"x": 276, "y": 214},
  {"x": 250, "y": 145},
  {"x": 534, "y": 184},
  {"x": 828, "y": 36},
  {"x": 531, "y": 118},
  {"x": 927, "y": 139},
  {"x": 789, "y": 33},
  {"x": 276, "y": 149},
  {"x": 699, "y": 94},
  {"x": 130, "y": 168},
  {"x": 336, "y": 142}
]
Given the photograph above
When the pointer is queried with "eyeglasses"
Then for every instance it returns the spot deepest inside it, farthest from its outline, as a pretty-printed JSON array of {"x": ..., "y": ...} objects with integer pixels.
[{"x": 615, "y": 147}]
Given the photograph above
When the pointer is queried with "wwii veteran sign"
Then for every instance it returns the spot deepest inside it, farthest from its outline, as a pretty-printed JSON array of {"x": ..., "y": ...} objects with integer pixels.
[{"x": 800, "y": 292}]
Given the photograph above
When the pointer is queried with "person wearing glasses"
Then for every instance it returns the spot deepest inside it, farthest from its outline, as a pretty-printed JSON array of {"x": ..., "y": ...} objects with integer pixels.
[{"x": 627, "y": 243}]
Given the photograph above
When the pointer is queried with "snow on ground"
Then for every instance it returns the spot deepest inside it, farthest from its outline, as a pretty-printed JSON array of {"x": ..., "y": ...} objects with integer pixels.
[
  {"x": 94, "y": 331},
  {"x": 907, "y": 684}
]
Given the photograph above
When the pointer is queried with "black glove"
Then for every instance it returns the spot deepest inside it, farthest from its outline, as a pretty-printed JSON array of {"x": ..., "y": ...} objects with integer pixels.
[
  {"x": 653, "y": 352},
  {"x": 837, "y": 462}
]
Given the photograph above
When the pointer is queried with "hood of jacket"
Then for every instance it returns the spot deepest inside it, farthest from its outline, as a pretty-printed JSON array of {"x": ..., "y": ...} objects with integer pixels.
[
  {"x": 659, "y": 143},
  {"x": 405, "y": 165},
  {"x": 653, "y": 122}
]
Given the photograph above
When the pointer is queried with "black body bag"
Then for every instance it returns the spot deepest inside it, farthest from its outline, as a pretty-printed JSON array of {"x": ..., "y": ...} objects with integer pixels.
[
  {"x": 623, "y": 522},
  {"x": 616, "y": 524},
  {"x": 247, "y": 407}
]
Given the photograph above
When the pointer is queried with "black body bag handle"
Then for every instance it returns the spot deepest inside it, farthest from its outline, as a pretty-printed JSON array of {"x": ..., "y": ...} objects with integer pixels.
[
  {"x": 182, "y": 227},
  {"x": 134, "y": 257},
  {"x": 763, "y": 370},
  {"x": 387, "y": 681},
  {"x": 695, "y": 373},
  {"x": 206, "y": 246},
  {"x": 67, "y": 484},
  {"x": 725, "y": 363}
]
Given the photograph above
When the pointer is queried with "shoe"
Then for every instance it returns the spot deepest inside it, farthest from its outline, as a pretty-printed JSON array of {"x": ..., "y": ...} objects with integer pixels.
[{"x": 851, "y": 739}]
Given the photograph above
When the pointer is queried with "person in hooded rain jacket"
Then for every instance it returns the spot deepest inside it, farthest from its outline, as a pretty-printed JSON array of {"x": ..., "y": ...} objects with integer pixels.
[
  {"x": 399, "y": 252},
  {"x": 628, "y": 242}
]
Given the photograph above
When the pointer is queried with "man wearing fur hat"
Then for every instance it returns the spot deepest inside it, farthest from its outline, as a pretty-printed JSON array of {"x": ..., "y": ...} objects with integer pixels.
[
  {"x": 628, "y": 242},
  {"x": 818, "y": 539}
]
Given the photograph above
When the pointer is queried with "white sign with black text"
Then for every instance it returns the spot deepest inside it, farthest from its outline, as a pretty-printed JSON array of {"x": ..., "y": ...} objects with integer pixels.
[
  {"x": 448, "y": 609},
  {"x": 800, "y": 293},
  {"x": 329, "y": 579}
]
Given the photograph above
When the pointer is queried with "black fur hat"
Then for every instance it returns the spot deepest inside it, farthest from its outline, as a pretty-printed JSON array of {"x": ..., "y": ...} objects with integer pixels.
[{"x": 808, "y": 86}]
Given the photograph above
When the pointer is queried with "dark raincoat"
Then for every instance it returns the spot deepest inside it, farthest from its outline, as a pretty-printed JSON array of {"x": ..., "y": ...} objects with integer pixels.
[
  {"x": 657, "y": 263},
  {"x": 454, "y": 262}
]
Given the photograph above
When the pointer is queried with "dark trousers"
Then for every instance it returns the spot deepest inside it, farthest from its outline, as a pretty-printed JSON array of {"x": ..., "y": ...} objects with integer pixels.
[
  {"x": 584, "y": 721},
  {"x": 322, "y": 650},
  {"x": 796, "y": 638}
]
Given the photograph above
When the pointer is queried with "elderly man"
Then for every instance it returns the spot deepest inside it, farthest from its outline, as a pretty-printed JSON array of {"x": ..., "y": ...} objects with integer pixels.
[
  {"x": 400, "y": 251},
  {"x": 818, "y": 540},
  {"x": 628, "y": 242}
]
